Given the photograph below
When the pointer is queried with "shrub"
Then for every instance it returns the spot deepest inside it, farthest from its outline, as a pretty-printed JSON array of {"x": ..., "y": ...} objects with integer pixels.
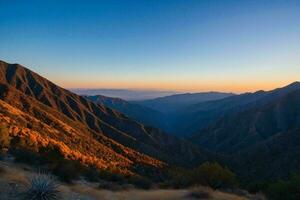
[
  {"x": 214, "y": 175},
  {"x": 41, "y": 187},
  {"x": 23, "y": 152},
  {"x": 140, "y": 182},
  {"x": 68, "y": 170},
  {"x": 207, "y": 174},
  {"x": 4, "y": 139},
  {"x": 92, "y": 174},
  {"x": 51, "y": 159},
  {"x": 110, "y": 176},
  {"x": 25, "y": 156}
]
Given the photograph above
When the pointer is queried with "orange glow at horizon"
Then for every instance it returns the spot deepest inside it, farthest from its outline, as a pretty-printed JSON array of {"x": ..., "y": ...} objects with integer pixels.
[{"x": 182, "y": 86}]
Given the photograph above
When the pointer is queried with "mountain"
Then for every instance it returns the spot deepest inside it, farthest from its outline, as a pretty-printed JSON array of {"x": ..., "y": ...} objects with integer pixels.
[
  {"x": 196, "y": 117},
  {"x": 262, "y": 140},
  {"x": 173, "y": 103},
  {"x": 278, "y": 156},
  {"x": 137, "y": 112},
  {"x": 174, "y": 108},
  {"x": 41, "y": 114},
  {"x": 161, "y": 112},
  {"x": 128, "y": 95},
  {"x": 237, "y": 130}
]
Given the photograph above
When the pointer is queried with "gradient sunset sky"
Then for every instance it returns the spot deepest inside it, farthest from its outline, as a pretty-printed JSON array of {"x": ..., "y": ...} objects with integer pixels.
[{"x": 173, "y": 45}]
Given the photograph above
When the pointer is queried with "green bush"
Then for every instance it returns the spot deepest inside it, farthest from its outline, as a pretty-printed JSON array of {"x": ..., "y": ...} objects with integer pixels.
[
  {"x": 207, "y": 174},
  {"x": 214, "y": 175}
]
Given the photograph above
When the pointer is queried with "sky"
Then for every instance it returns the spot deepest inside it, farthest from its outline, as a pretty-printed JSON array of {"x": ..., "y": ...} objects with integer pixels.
[{"x": 173, "y": 45}]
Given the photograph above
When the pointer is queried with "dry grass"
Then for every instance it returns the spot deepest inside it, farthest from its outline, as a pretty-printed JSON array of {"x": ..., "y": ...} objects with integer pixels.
[
  {"x": 14, "y": 176},
  {"x": 157, "y": 194},
  {"x": 132, "y": 194}
]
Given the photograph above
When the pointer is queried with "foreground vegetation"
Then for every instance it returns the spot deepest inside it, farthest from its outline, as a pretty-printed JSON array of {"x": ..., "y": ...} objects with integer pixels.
[
  {"x": 210, "y": 174},
  {"x": 15, "y": 179}
]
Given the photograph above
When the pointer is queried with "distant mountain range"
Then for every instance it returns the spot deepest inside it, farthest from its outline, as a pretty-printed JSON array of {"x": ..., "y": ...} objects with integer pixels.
[
  {"x": 126, "y": 94},
  {"x": 172, "y": 104}
]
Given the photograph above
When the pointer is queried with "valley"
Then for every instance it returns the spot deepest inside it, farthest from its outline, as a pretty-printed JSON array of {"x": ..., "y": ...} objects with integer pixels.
[{"x": 230, "y": 140}]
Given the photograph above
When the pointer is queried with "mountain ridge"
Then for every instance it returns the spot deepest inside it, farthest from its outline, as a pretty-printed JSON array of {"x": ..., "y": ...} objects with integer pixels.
[
  {"x": 172, "y": 103},
  {"x": 43, "y": 100},
  {"x": 269, "y": 118},
  {"x": 137, "y": 112},
  {"x": 199, "y": 116}
]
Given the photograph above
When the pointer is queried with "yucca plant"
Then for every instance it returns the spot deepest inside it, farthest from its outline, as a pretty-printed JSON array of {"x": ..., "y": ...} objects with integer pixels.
[{"x": 42, "y": 187}]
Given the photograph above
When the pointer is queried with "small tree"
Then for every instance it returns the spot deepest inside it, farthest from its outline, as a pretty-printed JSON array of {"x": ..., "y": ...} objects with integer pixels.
[
  {"x": 4, "y": 139},
  {"x": 214, "y": 175}
]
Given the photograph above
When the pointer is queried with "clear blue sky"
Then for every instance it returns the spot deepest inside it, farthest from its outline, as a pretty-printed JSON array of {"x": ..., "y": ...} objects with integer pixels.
[{"x": 168, "y": 44}]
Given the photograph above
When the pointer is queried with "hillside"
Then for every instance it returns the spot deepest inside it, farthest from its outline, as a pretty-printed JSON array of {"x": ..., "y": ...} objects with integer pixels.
[
  {"x": 252, "y": 125},
  {"x": 30, "y": 133},
  {"x": 137, "y": 112},
  {"x": 263, "y": 140},
  {"x": 105, "y": 136}
]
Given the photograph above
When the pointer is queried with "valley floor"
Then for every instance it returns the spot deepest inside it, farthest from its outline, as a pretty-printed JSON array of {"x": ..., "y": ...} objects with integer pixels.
[{"x": 13, "y": 179}]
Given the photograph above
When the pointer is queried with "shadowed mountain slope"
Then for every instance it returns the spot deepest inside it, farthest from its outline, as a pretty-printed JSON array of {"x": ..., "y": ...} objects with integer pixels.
[
  {"x": 174, "y": 107},
  {"x": 262, "y": 141},
  {"x": 239, "y": 130},
  {"x": 199, "y": 116}
]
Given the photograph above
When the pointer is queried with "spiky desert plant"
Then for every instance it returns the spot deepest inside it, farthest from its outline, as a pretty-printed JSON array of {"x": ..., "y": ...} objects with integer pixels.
[{"x": 42, "y": 187}]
